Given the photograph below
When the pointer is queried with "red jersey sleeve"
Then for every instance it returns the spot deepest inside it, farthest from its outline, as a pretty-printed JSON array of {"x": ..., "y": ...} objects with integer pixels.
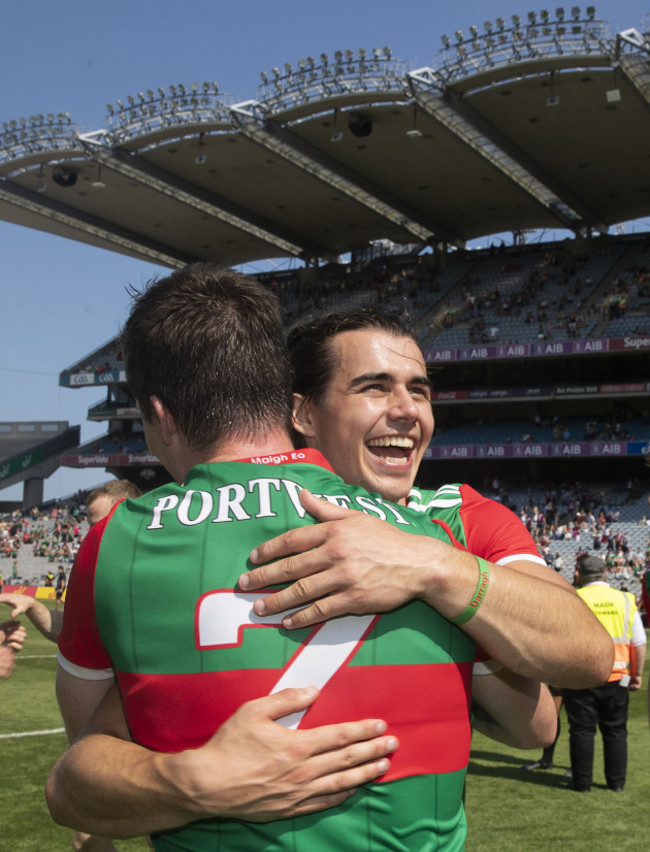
[
  {"x": 494, "y": 532},
  {"x": 79, "y": 641}
]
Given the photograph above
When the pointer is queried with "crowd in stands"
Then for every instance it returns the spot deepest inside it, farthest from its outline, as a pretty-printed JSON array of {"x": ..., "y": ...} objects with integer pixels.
[
  {"x": 568, "y": 520},
  {"x": 32, "y": 542},
  {"x": 518, "y": 294}
]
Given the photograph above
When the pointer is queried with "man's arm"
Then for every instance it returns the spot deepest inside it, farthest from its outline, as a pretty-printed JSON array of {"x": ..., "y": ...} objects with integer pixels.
[
  {"x": 253, "y": 768},
  {"x": 531, "y": 620},
  {"x": 637, "y": 652},
  {"x": 514, "y": 710},
  {"x": 47, "y": 622}
]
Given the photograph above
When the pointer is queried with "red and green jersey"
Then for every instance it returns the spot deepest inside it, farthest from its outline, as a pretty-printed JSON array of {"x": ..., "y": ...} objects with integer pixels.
[
  {"x": 485, "y": 527},
  {"x": 153, "y": 597}
]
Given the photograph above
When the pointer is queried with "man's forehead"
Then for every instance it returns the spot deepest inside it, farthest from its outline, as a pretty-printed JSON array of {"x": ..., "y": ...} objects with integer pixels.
[{"x": 371, "y": 350}]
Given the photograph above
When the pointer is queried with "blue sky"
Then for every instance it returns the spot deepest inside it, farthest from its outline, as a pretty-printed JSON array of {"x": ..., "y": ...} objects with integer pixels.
[{"x": 61, "y": 299}]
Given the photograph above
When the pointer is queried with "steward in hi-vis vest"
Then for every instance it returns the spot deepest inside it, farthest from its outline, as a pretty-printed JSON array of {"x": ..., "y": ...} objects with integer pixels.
[
  {"x": 605, "y": 706},
  {"x": 615, "y": 610}
]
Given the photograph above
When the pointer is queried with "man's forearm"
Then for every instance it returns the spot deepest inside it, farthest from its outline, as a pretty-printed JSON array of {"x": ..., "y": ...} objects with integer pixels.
[
  {"x": 530, "y": 620},
  {"x": 253, "y": 769},
  {"x": 131, "y": 790}
]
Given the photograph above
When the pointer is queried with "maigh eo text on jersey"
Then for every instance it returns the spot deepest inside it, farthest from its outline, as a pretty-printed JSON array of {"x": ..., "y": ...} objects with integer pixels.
[{"x": 226, "y": 503}]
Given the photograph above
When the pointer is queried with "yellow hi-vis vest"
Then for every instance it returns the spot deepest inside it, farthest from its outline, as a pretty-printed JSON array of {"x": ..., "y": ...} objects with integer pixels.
[{"x": 615, "y": 611}]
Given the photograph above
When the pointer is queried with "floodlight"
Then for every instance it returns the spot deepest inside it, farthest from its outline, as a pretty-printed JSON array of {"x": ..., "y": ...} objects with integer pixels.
[
  {"x": 324, "y": 58},
  {"x": 613, "y": 96},
  {"x": 265, "y": 77},
  {"x": 445, "y": 40},
  {"x": 473, "y": 30},
  {"x": 544, "y": 15},
  {"x": 338, "y": 56},
  {"x": 276, "y": 72},
  {"x": 110, "y": 108},
  {"x": 388, "y": 52},
  {"x": 516, "y": 20},
  {"x": 532, "y": 18},
  {"x": 575, "y": 13},
  {"x": 591, "y": 12},
  {"x": 459, "y": 35},
  {"x": 487, "y": 25},
  {"x": 559, "y": 13},
  {"x": 376, "y": 52},
  {"x": 501, "y": 23},
  {"x": 362, "y": 52}
]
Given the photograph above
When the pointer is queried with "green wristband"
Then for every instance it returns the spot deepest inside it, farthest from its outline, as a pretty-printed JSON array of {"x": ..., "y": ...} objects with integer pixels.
[{"x": 479, "y": 594}]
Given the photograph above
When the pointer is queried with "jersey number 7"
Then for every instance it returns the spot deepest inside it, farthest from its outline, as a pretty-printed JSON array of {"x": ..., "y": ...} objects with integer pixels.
[{"x": 222, "y": 615}]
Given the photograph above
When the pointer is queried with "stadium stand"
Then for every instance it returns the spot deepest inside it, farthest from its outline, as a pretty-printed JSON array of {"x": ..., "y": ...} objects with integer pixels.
[{"x": 538, "y": 350}]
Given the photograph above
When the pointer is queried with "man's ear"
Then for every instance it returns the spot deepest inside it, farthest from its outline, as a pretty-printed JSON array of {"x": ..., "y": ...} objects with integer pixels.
[
  {"x": 165, "y": 419},
  {"x": 302, "y": 415}
]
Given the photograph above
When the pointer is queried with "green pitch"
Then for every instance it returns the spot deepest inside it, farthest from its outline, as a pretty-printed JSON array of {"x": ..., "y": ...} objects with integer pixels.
[{"x": 509, "y": 810}]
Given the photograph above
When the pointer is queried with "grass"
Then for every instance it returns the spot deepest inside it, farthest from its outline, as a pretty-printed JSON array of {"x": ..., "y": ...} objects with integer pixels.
[
  {"x": 508, "y": 810},
  {"x": 28, "y": 703}
]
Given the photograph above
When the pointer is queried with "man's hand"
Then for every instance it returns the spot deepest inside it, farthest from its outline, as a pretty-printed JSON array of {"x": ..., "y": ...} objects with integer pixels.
[
  {"x": 18, "y": 603},
  {"x": 12, "y": 635},
  {"x": 275, "y": 773},
  {"x": 6, "y": 661},
  {"x": 253, "y": 768},
  {"x": 349, "y": 565}
]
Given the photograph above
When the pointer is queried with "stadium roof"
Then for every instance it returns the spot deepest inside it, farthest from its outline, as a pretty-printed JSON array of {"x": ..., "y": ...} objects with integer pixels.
[{"x": 541, "y": 123}]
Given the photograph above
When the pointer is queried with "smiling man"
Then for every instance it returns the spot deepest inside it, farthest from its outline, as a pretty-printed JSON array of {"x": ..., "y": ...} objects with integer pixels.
[
  {"x": 362, "y": 397},
  {"x": 373, "y": 418}
]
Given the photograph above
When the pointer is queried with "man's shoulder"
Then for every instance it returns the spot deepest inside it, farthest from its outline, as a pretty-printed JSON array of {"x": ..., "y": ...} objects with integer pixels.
[{"x": 450, "y": 496}]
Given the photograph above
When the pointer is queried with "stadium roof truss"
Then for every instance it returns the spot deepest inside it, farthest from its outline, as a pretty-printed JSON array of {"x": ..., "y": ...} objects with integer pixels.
[{"x": 529, "y": 124}]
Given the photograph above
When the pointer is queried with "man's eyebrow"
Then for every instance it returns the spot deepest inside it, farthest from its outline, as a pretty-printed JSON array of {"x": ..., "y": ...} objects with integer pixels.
[{"x": 387, "y": 377}]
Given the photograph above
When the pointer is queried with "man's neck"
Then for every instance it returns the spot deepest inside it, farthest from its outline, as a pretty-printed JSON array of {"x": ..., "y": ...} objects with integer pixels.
[{"x": 239, "y": 447}]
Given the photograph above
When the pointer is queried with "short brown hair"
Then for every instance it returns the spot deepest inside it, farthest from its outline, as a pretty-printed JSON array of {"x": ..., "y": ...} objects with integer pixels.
[
  {"x": 209, "y": 342},
  {"x": 116, "y": 489}
]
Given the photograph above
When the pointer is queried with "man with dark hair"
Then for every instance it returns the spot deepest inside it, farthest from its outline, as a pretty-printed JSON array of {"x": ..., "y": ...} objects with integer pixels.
[
  {"x": 362, "y": 397},
  {"x": 605, "y": 706},
  {"x": 206, "y": 360}
]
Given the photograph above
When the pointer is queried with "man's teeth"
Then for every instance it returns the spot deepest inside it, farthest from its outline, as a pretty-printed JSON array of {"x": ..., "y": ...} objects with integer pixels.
[{"x": 393, "y": 441}]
